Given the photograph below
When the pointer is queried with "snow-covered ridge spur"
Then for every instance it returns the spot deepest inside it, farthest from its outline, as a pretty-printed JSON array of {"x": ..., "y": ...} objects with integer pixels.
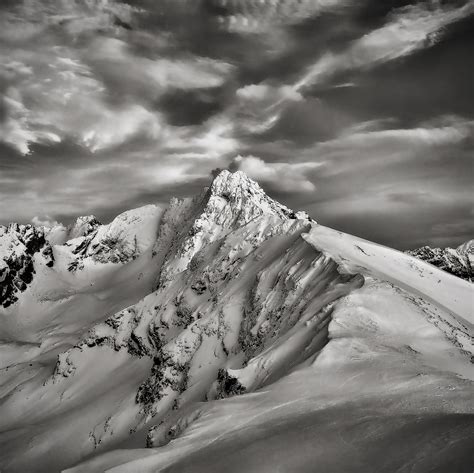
[{"x": 225, "y": 294}]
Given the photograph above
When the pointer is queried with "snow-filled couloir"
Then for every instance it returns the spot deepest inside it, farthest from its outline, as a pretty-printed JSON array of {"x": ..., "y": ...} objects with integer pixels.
[{"x": 229, "y": 332}]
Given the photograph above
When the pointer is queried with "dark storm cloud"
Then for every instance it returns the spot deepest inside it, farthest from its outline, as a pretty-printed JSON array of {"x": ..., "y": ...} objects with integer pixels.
[
  {"x": 360, "y": 112},
  {"x": 192, "y": 107}
]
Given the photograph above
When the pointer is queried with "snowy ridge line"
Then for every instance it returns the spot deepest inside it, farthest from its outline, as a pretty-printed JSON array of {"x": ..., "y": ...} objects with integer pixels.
[{"x": 452, "y": 313}]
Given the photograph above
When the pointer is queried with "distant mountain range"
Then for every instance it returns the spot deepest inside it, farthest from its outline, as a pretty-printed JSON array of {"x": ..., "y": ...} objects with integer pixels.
[{"x": 458, "y": 261}]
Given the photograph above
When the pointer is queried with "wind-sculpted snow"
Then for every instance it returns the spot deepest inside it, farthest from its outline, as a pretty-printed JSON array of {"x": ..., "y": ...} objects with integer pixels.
[
  {"x": 253, "y": 340},
  {"x": 447, "y": 301}
]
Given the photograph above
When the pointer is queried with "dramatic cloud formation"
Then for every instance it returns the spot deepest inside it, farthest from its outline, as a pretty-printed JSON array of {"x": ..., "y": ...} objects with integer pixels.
[
  {"x": 360, "y": 112},
  {"x": 408, "y": 29}
]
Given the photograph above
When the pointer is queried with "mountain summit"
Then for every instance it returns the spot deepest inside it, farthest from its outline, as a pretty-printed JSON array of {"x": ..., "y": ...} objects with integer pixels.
[
  {"x": 243, "y": 196},
  {"x": 228, "y": 332}
]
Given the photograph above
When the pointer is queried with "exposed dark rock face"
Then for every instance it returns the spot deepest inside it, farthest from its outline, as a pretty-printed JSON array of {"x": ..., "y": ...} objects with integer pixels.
[
  {"x": 111, "y": 249},
  {"x": 228, "y": 385},
  {"x": 458, "y": 261},
  {"x": 19, "y": 245}
]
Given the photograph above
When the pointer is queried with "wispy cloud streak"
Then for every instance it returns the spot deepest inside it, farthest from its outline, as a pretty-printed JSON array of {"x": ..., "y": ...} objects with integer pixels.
[{"x": 408, "y": 30}]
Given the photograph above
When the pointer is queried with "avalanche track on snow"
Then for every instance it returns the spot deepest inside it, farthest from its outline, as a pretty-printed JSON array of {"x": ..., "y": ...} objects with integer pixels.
[{"x": 229, "y": 332}]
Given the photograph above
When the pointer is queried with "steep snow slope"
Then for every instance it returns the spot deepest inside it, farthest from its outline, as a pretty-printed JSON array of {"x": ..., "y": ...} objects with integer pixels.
[
  {"x": 451, "y": 300},
  {"x": 336, "y": 348},
  {"x": 458, "y": 261}
]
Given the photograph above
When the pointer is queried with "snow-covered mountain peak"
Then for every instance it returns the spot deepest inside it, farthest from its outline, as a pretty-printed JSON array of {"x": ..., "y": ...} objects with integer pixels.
[
  {"x": 230, "y": 184},
  {"x": 235, "y": 198},
  {"x": 232, "y": 202},
  {"x": 128, "y": 236},
  {"x": 458, "y": 261}
]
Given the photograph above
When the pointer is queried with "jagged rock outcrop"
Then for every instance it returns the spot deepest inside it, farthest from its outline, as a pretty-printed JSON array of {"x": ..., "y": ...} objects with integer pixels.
[
  {"x": 19, "y": 244},
  {"x": 458, "y": 261}
]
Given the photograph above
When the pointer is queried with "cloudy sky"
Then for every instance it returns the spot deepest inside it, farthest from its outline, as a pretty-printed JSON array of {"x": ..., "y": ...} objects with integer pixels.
[{"x": 359, "y": 111}]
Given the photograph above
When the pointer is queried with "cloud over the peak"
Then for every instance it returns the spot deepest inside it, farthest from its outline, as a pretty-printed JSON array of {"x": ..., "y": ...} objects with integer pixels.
[
  {"x": 285, "y": 177},
  {"x": 44, "y": 221}
]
